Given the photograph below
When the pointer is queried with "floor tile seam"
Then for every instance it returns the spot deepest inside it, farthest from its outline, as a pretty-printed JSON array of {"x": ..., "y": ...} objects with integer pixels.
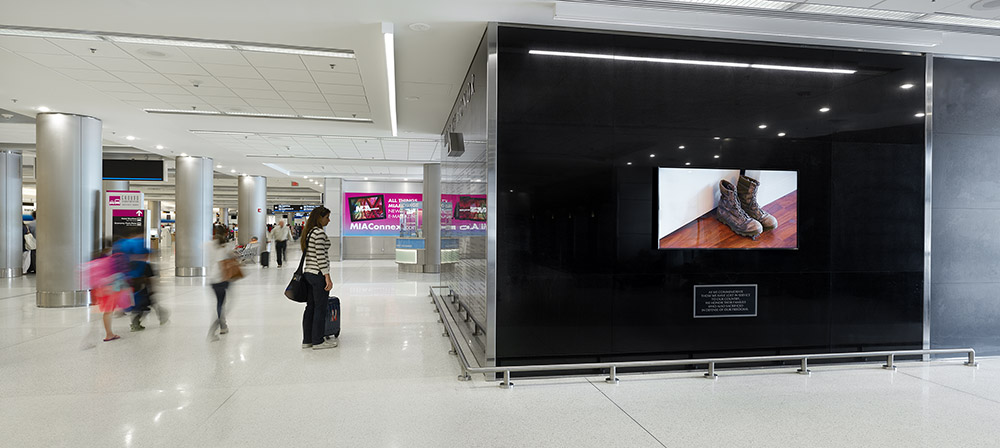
[
  {"x": 964, "y": 392},
  {"x": 627, "y": 414},
  {"x": 21, "y": 295}
]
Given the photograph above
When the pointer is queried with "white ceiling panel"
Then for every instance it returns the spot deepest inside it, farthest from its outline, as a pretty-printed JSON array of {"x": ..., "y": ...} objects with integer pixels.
[
  {"x": 337, "y": 78},
  {"x": 301, "y": 96},
  {"x": 193, "y": 105},
  {"x": 134, "y": 96},
  {"x": 352, "y": 108},
  {"x": 346, "y": 99},
  {"x": 150, "y": 104},
  {"x": 308, "y": 104},
  {"x": 143, "y": 78},
  {"x": 322, "y": 64},
  {"x": 121, "y": 64},
  {"x": 854, "y": 3},
  {"x": 178, "y": 68},
  {"x": 232, "y": 71},
  {"x": 155, "y": 52},
  {"x": 191, "y": 80},
  {"x": 112, "y": 86},
  {"x": 281, "y": 74},
  {"x": 263, "y": 102},
  {"x": 88, "y": 75},
  {"x": 292, "y": 86},
  {"x": 243, "y": 83},
  {"x": 183, "y": 99},
  {"x": 963, "y": 7},
  {"x": 425, "y": 89},
  {"x": 89, "y": 48},
  {"x": 58, "y": 60},
  {"x": 224, "y": 101},
  {"x": 335, "y": 89},
  {"x": 274, "y": 60},
  {"x": 213, "y": 56},
  {"x": 277, "y": 110},
  {"x": 417, "y": 145},
  {"x": 256, "y": 93},
  {"x": 319, "y": 112},
  {"x": 32, "y": 45},
  {"x": 915, "y": 6},
  {"x": 210, "y": 91},
  {"x": 170, "y": 89}
]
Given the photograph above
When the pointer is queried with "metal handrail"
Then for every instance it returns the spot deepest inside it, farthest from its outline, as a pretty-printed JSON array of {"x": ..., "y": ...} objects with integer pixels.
[{"x": 709, "y": 362}]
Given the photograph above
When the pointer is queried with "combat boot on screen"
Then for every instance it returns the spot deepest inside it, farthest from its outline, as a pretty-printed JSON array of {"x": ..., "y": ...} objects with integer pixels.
[
  {"x": 746, "y": 190},
  {"x": 731, "y": 214}
]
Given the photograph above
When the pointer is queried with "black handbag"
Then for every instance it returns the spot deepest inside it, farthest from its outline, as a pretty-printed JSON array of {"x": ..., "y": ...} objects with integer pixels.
[{"x": 298, "y": 289}]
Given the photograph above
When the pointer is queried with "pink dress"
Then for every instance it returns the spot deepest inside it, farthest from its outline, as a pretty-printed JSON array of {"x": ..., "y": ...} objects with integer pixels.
[{"x": 109, "y": 288}]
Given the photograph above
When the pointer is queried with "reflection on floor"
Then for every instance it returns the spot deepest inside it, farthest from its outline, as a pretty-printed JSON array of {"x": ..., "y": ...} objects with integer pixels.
[
  {"x": 707, "y": 232},
  {"x": 391, "y": 383}
]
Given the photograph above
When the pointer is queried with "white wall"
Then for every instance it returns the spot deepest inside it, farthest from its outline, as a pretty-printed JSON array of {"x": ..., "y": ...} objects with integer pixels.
[
  {"x": 774, "y": 184},
  {"x": 685, "y": 194}
]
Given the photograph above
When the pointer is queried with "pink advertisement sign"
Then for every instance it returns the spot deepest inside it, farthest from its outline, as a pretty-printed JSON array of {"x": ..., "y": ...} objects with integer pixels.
[
  {"x": 374, "y": 214},
  {"x": 467, "y": 214}
]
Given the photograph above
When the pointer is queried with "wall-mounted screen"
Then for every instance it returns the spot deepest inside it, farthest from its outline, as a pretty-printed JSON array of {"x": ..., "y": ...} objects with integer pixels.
[
  {"x": 726, "y": 209},
  {"x": 471, "y": 208},
  {"x": 134, "y": 170},
  {"x": 367, "y": 208}
]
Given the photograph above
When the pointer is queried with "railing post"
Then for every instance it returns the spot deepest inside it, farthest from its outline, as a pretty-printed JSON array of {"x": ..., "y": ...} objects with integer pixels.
[
  {"x": 972, "y": 359},
  {"x": 612, "y": 376},
  {"x": 711, "y": 371},
  {"x": 465, "y": 375},
  {"x": 804, "y": 368},
  {"x": 889, "y": 362},
  {"x": 506, "y": 384}
]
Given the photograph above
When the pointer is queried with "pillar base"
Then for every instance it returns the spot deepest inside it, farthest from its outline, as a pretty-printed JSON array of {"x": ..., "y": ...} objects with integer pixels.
[
  {"x": 63, "y": 299},
  {"x": 10, "y": 273},
  {"x": 200, "y": 271}
]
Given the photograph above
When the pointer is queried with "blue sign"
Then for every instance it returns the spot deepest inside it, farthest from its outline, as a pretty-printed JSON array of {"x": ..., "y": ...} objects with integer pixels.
[{"x": 409, "y": 243}]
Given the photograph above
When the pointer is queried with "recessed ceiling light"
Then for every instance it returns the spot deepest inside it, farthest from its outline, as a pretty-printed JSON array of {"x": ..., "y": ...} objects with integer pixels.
[
  {"x": 159, "y": 146},
  {"x": 687, "y": 163},
  {"x": 232, "y": 171},
  {"x": 43, "y": 109},
  {"x": 366, "y": 178},
  {"x": 906, "y": 86},
  {"x": 781, "y": 134},
  {"x": 717, "y": 138},
  {"x": 680, "y": 147},
  {"x": 763, "y": 126},
  {"x": 184, "y": 154},
  {"x": 920, "y": 115},
  {"x": 305, "y": 177},
  {"x": 218, "y": 166},
  {"x": 824, "y": 109},
  {"x": 419, "y": 26},
  {"x": 652, "y": 155},
  {"x": 629, "y": 163},
  {"x": 716, "y": 156},
  {"x": 130, "y": 138}
]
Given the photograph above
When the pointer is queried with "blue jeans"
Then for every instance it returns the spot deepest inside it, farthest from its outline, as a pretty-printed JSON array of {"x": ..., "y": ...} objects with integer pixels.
[{"x": 314, "y": 317}]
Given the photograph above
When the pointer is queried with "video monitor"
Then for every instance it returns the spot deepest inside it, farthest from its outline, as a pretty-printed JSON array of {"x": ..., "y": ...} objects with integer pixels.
[
  {"x": 367, "y": 208},
  {"x": 726, "y": 209},
  {"x": 470, "y": 209}
]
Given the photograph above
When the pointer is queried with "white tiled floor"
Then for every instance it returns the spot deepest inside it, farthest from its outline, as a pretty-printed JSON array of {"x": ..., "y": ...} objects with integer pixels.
[{"x": 391, "y": 383}]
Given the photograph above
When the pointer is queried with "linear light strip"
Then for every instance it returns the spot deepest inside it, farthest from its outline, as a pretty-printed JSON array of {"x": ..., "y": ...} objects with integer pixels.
[
  {"x": 947, "y": 19},
  {"x": 47, "y": 34},
  {"x": 754, "y": 4},
  {"x": 390, "y": 69},
  {"x": 256, "y": 115},
  {"x": 857, "y": 12},
  {"x": 693, "y": 62}
]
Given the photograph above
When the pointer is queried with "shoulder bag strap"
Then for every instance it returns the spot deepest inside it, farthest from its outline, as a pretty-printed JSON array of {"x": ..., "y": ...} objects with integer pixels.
[{"x": 302, "y": 262}]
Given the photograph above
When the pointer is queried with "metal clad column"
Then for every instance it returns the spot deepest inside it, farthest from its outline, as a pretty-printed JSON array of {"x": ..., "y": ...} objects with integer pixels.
[
  {"x": 11, "y": 235},
  {"x": 432, "y": 217},
  {"x": 194, "y": 215},
  {"x": 224, "y": 218},
  {"x": 333, "y": 199},
  {"x": 68, "y": 172},
  {"x": 252, "y": 216},
  {"x": 155, "y": 212}
]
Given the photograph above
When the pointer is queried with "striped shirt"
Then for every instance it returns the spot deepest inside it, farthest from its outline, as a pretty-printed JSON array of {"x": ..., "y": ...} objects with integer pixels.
[{"x": 317, "y": 252}]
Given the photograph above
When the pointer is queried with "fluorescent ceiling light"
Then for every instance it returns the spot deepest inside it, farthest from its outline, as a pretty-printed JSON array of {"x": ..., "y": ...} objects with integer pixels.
[
  {"x": 755, "y": 4},
  {"x": 252, "y": 115},
  {"x": 803, "y": 69},
  {"x": 857, "y": 12},
  {"x": 950, "y": 19},
  {"x": 169, "y": 42},
  {"x": 688, "y": 62},
  {"x": 47, "y": 34},
  {"x": 390, "y": 69},
  {"x": 298, "y": 51}
]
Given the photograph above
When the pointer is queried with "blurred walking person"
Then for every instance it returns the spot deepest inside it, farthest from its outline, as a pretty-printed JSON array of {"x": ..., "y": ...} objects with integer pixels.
[
  {"x": 106, "y": 274},
  {"x": 280, "y": 235},
  {"x": 221, "y": 262},
  {"x": 316, "y": 272}
]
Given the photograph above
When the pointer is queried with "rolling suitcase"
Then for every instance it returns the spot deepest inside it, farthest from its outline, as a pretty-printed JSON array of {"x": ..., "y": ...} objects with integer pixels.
[
  {"x": 333, "y": 318},
  {"x": 265, "y": 258}
]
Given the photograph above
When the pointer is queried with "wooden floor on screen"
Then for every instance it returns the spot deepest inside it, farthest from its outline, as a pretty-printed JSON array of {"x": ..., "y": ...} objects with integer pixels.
[{"x": 706, "y": 232}]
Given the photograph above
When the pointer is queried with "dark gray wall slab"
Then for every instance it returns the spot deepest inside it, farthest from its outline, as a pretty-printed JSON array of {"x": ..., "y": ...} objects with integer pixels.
[{"x": 965, "y": 244}]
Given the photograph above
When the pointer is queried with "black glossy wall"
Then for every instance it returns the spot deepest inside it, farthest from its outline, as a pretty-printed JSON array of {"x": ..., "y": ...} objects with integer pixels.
[
  {"x": 965, "y": 269},
  {"x": 578, "y": 274}
]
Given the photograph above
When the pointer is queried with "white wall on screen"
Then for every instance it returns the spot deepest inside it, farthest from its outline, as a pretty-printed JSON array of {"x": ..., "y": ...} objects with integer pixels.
[
  {"x": 686, "y": 194},
  {"x": 774, "y": 184}
]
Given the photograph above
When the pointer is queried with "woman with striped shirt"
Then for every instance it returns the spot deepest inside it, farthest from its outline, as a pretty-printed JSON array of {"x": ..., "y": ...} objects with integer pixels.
[{"x": 316, "y": 272}]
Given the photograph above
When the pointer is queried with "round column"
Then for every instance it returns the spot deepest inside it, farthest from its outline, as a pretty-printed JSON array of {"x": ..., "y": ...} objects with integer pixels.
[
  {"x": 11, "y": 235},
  {"x": 432, "y": 217},
  {"x": 155, "y": 212},
  {"x": 68, "y": 173},
  {"x": 252, "y": 215},
  {"x": 194, "y": 215}
]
